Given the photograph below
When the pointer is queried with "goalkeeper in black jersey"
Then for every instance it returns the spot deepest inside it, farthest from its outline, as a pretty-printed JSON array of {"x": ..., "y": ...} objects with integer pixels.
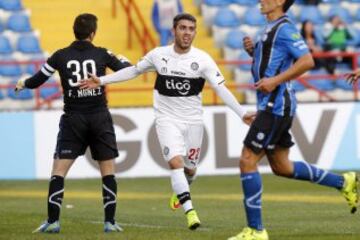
[{"x": 86, "y": 121}]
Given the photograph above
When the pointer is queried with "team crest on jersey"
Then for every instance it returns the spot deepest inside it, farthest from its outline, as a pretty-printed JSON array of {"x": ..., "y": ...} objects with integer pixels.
[
  {"x": 194, "y": 66},
  {"x": 163, "y": 70},
  {"x": 166, "y": 150},
  {"x": 260, "y": 136}
]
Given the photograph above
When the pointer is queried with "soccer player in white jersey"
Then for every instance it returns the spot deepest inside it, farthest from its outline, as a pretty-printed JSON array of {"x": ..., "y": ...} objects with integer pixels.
[{"x": 181, "y": 73}]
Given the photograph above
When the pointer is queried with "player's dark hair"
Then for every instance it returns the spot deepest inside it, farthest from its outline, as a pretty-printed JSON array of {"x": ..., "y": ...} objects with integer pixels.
[
  {"x": 183, "y": 16},
  {"x": 84, "y": 25},
  {"x": 287, "y": 5}
]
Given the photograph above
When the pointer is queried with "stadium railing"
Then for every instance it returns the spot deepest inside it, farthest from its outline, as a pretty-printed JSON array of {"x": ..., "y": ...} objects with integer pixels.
[
  {"x": 212, "y": 99},
  {"x": 136, "y": 25}
]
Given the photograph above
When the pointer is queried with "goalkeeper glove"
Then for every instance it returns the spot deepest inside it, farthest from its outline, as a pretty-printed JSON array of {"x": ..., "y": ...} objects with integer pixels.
[{"x": 20, "y": 85}]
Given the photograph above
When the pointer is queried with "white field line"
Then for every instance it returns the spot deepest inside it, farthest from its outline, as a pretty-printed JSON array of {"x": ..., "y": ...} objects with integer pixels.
[{"x": 138, "y": 225}]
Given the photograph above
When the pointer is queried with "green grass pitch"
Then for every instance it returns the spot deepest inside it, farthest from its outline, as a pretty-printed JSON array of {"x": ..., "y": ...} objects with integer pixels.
[{"x": 292, "y": 210}]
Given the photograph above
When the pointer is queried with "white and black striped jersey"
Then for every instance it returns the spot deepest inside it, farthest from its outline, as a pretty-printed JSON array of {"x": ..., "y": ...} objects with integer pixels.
[
  {"x": 73, "y": 64},
  {"x": 180, "y": 80}
]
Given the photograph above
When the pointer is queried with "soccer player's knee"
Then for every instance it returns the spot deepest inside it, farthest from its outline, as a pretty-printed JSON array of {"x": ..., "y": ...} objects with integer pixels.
[
  {"x": 190, "y": 172},
  {"x": 281, "y": 170},
  {"x": 246, "y": 163}
]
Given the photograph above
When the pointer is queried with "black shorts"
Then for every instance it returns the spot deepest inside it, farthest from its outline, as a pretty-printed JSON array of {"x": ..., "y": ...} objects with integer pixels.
[
  {"x": 267, "y": 131},
  {"x": 78, "y": 131}
]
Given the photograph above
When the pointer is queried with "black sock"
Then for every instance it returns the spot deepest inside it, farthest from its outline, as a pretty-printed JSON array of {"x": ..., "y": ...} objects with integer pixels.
[
  {"x": 55, "y": 197},
  {"x": 183, "y": 197},
  {"x": 109, "y": 190}
]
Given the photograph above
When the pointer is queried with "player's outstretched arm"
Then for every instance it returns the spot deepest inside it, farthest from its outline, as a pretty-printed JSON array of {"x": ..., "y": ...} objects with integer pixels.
[
  {"x": 229, "y": 99},
  {"x": 353, "y": 77},
  {"x": 31, "y": 82},
  {"x": 118, "y": 76}
]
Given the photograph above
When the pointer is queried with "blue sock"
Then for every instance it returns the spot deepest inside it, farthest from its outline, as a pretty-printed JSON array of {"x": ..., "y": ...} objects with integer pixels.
[
  {"x": 305, "y": 171},
  {"x": 252, "y": 188}
]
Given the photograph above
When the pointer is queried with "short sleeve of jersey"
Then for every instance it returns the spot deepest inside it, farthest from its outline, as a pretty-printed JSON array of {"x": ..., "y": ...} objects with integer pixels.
[
  {"x": 290, "y": 38},
  {"x": 211, "y": 71},
  {"x": 146, "y": 63},
  {"x": 116, "y": 63}
]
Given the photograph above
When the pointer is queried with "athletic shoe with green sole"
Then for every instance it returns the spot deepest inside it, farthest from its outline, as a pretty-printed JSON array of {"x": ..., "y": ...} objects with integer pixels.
[
  {"x": 350, "y": 190},
  {"x": 174, "y": 202},
  {"x": 193, "y": 220},
  {"x": 251, "y": 234}
]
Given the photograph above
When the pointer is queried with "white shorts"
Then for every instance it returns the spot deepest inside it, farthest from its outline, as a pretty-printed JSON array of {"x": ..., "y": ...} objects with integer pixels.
[{"x": 180, "y": 139}]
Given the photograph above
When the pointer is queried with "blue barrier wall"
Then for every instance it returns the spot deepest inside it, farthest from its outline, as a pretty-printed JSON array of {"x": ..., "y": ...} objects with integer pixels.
[{"x": 17, "y": 146}]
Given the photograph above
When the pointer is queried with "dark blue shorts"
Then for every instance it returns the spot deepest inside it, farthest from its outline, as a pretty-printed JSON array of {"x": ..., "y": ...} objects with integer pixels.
[{"x": 268, "y": 131}]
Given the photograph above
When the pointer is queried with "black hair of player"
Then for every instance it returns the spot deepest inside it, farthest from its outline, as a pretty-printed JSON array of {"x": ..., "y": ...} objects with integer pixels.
[
  {"x": 84, "y": 25},
  {"x": 183, "y": 16},
  {"x": 287, "y": 5}
]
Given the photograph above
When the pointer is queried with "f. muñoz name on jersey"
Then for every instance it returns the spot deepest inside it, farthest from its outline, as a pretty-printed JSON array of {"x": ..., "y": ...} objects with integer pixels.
[{"x": 180, "y": 81}]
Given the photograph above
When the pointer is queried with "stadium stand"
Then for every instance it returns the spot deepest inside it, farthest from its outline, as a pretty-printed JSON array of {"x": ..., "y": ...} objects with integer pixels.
[
  {"x": 19, "y": 46},
  {"x": 11, "y": 5},
  {"x": 251, "y": 21},
  {"x": 19, "y": 22},
  {"x": 5, "y": 46},
  {"x": 226, "y": 20},
  {"x": 28, "y": 43}
]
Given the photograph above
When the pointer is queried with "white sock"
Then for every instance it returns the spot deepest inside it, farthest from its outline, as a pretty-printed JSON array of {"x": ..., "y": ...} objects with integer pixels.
[{"x": 180, "y": 186}]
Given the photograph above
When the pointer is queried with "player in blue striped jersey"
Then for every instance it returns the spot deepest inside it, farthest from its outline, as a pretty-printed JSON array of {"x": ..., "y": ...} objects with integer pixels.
[{"x": 280, "y": 56}]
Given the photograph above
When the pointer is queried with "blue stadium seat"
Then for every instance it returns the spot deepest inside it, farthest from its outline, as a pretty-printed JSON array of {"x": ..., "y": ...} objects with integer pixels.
[
  {"x": 10, "y": 70},
  {"x": 30, "y": 69},
  {"x": 245, "y": 57},
  {"x": 25, "y": 94},
  {"x": 319, "y": 35},
  {"x": 19, "y": 22},
  {"x": 46, "y": 92},
  {"x": 357, "y": 15},
  {"x": 28, "y": 43},
  {"x": 355, "y": 41},
  {"x": 234, "y": 39},
  {"x": 342, "y": 84},
  {"x": 5, "y": 46},
  {"x": 297, "y": 86},
  {"x": 11, "y": 5},
  {"x": 2, "y": 28},
  {"x": 355, "y": 1},
  {"x": 226, "y": 18},
  {"x": 331, "y": 1},
  {"x": 323, "y": 84},
  {"x": 254, "y": 17},
  {"x": 311, "y": 13},
  {"x": 245, "y": 2},
  {"x": 343, "y": 13},
  {"x": 217, "y": 3},
  {"x": 342, "y": 69}
]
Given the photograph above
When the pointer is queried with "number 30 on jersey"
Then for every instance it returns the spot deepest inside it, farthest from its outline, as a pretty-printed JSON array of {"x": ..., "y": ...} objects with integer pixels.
[{"x": 80, "y": 70}]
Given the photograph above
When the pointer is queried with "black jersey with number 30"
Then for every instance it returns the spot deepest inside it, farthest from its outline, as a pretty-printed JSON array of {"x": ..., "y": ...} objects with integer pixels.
[{"x": 74, "y": 63}]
